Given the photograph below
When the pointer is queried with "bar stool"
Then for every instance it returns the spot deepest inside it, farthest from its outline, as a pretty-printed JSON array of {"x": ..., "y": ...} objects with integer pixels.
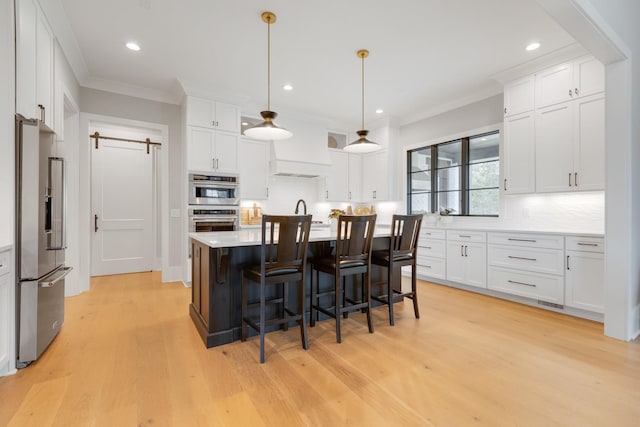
[
  {"x": 352, "y": 256},
  {"x": 402, "y": 252},
  {"x": 283, "y": 259}
]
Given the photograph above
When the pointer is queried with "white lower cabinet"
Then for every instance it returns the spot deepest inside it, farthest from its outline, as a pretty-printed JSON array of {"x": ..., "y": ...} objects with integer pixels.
[
  {"x": 467, "y": 257},
  {"x": 528, "y": 265},
  {"x": 555, "y": 270},
  {"x": 585, "y": 273},
  {"x": 7, "y": 357},
  {"x": 430, "y": 261}
]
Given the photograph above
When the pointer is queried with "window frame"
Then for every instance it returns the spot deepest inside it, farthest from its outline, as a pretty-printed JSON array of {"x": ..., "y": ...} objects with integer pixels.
[{"x": 464, "y": 174}]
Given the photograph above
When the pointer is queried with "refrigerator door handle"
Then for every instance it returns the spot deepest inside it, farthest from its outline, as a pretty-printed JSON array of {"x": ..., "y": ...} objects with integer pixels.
[
  {"x": 57, "y": 205},
  {"x": 58, "y": 275}
]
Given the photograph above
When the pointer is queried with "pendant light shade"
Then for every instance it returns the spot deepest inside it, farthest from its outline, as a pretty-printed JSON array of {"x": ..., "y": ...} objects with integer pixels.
[
  {"x": 362, "y": 144},
  {"x": 268, "y": 130}
]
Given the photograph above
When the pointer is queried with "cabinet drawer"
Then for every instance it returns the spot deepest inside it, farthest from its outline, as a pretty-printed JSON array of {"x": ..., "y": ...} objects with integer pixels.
[
  {"x": 431, "y": 248},
  {"x": 466, "y": 236},
  {"x": 430, "y": 233},
  {"x": 585, "y": 244},
  {"x": 538, "y": 286},
  {"x": 530, "y": 240},
  {"x": 5, "y": 259},
  {"x": 550, "y": 261},
  {"x": 430, "y": 267}
]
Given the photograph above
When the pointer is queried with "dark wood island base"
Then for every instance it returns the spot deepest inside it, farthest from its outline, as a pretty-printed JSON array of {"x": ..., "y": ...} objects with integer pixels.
[{"x": 216, "y": 286}]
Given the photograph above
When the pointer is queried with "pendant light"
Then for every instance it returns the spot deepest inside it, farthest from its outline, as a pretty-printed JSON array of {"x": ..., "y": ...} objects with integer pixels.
[
  {"x": 268, "y": 130},
  {"x": 362, "y": 144}
]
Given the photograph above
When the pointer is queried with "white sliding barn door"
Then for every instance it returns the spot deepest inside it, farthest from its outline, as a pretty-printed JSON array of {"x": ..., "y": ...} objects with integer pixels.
[{"x": 122, "y": 206}]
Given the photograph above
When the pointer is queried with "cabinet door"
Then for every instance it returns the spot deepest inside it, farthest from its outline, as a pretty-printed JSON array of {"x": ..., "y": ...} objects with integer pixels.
[
  {"x": 519, "y": 154},
  {"x": 588, "y": 76},
  {"x": 253, "y": 166},
  {"x": 554, "y": 148},
  {"x": 375, "y": 174},
  {"x": 519, "y": 96},
  {"x": 554, "y": 85},
  {"x": 200, "y": 112},
  {"x": 227, "y": 117},
  {"x": 475, "y": 256},
  {"x": 196, "y": 281},
  {"x": 456, "y": 263},
  {"x": 589, "y": 143},
  {"x": 26, "y": 11},
  {"x": 355, "y": 177},
  {"x": 226, "y": 152},
  {"x": 44, "y": 71},
  {"x": 338, "y": 177},
  {"x": 584, "y": 285},
  {"x": 200, "y": 155}
]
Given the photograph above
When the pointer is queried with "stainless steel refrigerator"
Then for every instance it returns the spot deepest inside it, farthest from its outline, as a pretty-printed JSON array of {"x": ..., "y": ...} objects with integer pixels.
[{"x": 40, "y": 239}]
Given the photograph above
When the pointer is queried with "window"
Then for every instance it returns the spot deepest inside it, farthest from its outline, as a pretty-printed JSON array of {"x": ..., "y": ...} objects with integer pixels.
[{"x": 462, "y": 175}]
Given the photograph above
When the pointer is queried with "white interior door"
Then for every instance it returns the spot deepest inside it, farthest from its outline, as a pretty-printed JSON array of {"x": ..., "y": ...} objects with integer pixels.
[{"x": 122, "y": 205}]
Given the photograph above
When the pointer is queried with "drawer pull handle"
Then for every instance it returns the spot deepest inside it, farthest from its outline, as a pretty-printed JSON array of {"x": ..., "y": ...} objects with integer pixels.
[
  {"x": 524, "y": 258},
  {"x": 522, "y": 240},
  {"x": 427, "y": 247},
  {"x": 521, "y": 283},
  {"x": 464, "y": 235},
  {"x": 587, "y": 244}
]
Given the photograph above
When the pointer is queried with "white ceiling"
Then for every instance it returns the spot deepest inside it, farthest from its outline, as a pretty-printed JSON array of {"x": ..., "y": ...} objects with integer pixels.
[{"x": 426, "y": 55}]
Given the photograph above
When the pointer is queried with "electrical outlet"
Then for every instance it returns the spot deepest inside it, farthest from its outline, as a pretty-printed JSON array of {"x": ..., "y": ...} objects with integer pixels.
[{"x": 526, "y": 213}]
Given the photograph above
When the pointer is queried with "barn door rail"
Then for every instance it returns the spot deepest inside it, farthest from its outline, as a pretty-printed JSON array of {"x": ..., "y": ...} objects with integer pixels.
[{"x": 148, "y": 142}]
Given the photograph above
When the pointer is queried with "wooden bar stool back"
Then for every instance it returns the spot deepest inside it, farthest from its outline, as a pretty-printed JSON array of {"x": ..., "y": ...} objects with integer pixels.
[
  {"x": 352, "y": 257},
  {"x": 405, "y": 230},
  {"x": 283, "y": 259}
]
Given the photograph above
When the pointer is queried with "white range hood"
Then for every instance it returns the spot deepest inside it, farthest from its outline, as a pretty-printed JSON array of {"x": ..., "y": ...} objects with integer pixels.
[{"x": 304, "y": 155}]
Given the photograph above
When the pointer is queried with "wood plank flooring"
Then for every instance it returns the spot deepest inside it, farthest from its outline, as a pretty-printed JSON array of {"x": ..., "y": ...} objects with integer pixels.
[{"x": 129, "y": 355}]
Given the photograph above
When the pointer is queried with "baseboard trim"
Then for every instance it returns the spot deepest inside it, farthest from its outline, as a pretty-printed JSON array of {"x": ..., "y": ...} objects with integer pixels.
[{"x": 172, "y": 274}]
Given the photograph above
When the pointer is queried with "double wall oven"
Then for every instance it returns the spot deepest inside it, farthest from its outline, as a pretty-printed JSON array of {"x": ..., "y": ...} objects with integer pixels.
[{"x": 213, "y": 203}]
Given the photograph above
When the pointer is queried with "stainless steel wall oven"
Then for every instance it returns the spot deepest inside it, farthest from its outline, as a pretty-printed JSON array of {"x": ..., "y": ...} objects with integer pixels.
[
  {"x": 213, "y": 189},
  {"x": 206, "y": 219}
]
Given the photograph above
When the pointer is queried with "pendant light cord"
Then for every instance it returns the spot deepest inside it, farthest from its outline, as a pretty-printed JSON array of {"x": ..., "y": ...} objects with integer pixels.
[
  {"x": 362, "y": 56},
  {"x": 269, "y": 64}
]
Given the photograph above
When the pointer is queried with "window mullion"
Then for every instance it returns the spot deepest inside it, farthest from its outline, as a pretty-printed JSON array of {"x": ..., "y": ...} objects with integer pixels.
[
  {"x": 434, "y": 179},
  {"x": 464, "y": 179}
]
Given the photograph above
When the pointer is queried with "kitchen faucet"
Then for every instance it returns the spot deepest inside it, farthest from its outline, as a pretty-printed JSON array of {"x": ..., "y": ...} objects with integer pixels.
[{"x": 304, "y": 206}]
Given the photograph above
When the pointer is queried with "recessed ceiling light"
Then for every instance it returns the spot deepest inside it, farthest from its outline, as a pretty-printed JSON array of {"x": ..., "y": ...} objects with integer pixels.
[
  {"x": 133, "y": 46},
  {"x": 532, "y": 46},
  {"x": 379, "y": 111},
  {"x": 287, "y": 87}
]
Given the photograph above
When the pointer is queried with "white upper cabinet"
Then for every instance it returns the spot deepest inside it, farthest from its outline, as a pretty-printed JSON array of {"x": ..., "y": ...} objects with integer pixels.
[
  {"x": 26, "y": 23},
  {"x": 35, "y": 75},
  {"x": 570, "y": 145},
  {"x": 376, "y": 176},
  {"x": 571, "y": 80},
  {"x": 355, "y": 177},
  {"x": 211, "y": 151},
  {"x": 519, "y": 96},
  {"x": 254, "y": 168},
  {"x": 213, "y": 115},
  {"x": 336, "y": 183},
  {"x": 519, "y": 154}
]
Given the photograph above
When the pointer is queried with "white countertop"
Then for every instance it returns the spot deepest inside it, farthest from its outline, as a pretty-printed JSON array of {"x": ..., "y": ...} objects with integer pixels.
[
  {"x": 253, "y": 236},
  {"x": 584, "y": 233}
]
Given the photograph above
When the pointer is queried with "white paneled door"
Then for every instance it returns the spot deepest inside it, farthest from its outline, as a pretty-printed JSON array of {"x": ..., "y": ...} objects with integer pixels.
[{"x": 122, "y": 203}]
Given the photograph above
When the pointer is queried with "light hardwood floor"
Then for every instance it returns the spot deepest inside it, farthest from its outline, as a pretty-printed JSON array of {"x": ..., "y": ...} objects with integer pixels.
[{"x": 129, "y": 355}]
